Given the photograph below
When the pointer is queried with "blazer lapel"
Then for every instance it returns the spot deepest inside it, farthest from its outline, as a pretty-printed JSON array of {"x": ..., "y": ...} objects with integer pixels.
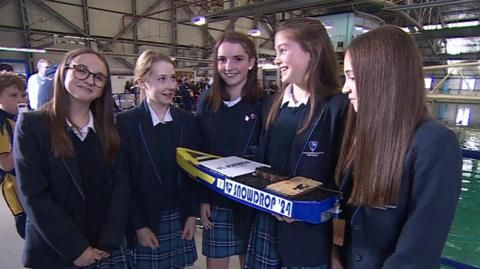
[
  {"x": 252, "y": 122},
  {"x": 177, "y": 128},
  {"x": 149, "y": 140},
  {"x": 300, "y": 141},
  {"x": 70, "y": 164}
]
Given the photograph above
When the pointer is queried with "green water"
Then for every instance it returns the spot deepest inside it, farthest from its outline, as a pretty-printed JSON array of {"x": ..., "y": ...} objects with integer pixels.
[{"x": 463, "y": 242}]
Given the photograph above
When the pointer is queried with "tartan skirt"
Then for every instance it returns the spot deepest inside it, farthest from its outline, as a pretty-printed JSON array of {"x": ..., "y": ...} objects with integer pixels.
[
  {"x": 221, "y": 241},
  {"x": 262, "y": 250},
  {"x": 174, "y": 252}
]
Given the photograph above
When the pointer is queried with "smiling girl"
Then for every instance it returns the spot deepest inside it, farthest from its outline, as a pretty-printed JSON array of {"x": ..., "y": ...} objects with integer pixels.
[
  {"x": 301, "y": 138},
  {"x": 162, "y": 214},
  {"x": 230, "y": 126},
  {"x": 75, "y": 206}
]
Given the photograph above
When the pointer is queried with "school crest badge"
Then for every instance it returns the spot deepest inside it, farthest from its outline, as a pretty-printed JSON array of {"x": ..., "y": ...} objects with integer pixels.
[{"x": 312, "y": 145}]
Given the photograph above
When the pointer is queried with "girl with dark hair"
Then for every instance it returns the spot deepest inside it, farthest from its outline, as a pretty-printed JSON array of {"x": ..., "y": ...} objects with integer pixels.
[
  {"x": 162, "y": 214},
  {"x": 75, "y": 205},
  {"x": 302, "y": 136},
  {"x": 230, "y": 126},
  {"x": 400, "y": 171}
]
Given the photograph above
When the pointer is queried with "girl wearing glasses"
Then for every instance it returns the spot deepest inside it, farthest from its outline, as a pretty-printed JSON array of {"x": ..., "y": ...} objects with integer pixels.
[
  {"x": 162, "y": 215},
  {"x": 74, "y": 203}
]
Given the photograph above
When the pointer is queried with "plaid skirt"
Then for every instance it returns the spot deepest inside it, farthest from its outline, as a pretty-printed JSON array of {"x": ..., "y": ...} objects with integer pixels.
[
  {"x": 262, "y": 250},
  {"x": 174, "y": 252},
  {"x": 221, "y": 241}
]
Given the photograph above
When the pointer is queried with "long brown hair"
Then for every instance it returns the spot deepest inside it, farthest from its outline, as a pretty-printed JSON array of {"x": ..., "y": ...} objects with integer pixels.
[
  {"x": 388, "y": 73},
  {"x": 102, "y": 110},
  {"x": 251, "y": 92},
  {"x": 321, "y": 76},
  {"x": 144, "y": 65}
]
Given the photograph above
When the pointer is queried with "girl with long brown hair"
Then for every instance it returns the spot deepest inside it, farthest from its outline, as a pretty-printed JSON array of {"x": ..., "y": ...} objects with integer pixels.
[
  {"x": 230, "y": 126},
  {"x": 302, "y": 135},
  {"x": 64, "y": 153},
  {"x": 400, "y": 171}
]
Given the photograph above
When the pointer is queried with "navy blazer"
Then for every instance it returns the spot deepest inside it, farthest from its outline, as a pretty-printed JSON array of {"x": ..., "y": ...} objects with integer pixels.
[
  {"x": 248, "y": 137},
  {"x": 412, "y": 233},
  {"x": 52, "y": 195},
  {"x": 140, "y": 154},
  {"x": 314, "y": 155}
]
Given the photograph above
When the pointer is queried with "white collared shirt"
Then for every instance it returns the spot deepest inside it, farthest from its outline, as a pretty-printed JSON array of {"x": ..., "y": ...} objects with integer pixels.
[
  {"x": 156, "y": 120},
  {"x": 234, "y": 102},
  {"x": 288, "y": 98},
  {"x": 83, "y": 132}
]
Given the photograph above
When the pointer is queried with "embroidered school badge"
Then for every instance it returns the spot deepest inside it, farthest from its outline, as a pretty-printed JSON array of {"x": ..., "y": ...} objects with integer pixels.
[{"x": 312, "y": 145}]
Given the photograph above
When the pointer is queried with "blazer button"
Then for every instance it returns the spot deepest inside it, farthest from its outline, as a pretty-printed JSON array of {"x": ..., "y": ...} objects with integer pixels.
[
  {"x": 357, "y": 227},
  {"x": 357, "y": 257}
]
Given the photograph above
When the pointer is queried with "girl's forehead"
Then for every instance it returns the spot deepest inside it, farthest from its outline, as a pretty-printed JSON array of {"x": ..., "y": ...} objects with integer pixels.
[
  {"x": 162, "y": 67},
  {"x": 231, "y": 48},
  {"x": 284, "y": 37}
]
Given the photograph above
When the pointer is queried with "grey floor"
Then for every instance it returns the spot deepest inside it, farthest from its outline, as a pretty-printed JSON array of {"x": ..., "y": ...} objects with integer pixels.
[{"x": 11, "y": 244}]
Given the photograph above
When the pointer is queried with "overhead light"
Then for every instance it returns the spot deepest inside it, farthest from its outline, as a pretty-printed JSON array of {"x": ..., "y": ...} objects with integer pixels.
[
  {"x": 23, "y": 50},
  {"x": 268, "y": 66},
  {"x": 200, "y": 20},
  {"x": 328, "y": 26},
  {"x": 254, "y": 32}
]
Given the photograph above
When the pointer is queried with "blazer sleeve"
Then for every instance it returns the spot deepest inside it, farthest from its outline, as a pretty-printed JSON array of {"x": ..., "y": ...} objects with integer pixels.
[
  {"x": 116, "y": 217},
  {"x": 55, "y": 227},
  {"x": 202, "y": 101},
  {"x": 434, "y": 194},
  {"x": 192, "y": 188},
  {"x": 122, "y": 169}
]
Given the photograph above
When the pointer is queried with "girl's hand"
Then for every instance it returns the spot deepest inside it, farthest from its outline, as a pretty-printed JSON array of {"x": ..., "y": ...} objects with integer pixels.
[
  {"x": 335, "y": 261},
  {"x": 282, "y": 218},
  {"x": 87, "y": 257},
  {"x": 189, "y": 228},
  {"x": 102, "y": 253},
  {"x": 205, "y": 216},
  {"x": 147, "y": 238}
]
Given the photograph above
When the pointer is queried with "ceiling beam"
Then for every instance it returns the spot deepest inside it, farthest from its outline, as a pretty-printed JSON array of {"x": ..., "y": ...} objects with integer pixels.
[
  {"x": 471, "y": 31},
  {"x": 134, "y": 22},
  {"x": 74, "y": 27},
  {"x": 269, "y": 6},
  {"x": 461, "y": 56}
]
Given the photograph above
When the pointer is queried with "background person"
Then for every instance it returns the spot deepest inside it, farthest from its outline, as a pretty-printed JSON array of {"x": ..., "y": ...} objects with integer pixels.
[{"x": 35, "y": 81}]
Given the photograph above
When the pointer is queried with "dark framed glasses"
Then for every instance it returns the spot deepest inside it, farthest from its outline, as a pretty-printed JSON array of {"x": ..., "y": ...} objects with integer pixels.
[{"x": 81, "y": 72}]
